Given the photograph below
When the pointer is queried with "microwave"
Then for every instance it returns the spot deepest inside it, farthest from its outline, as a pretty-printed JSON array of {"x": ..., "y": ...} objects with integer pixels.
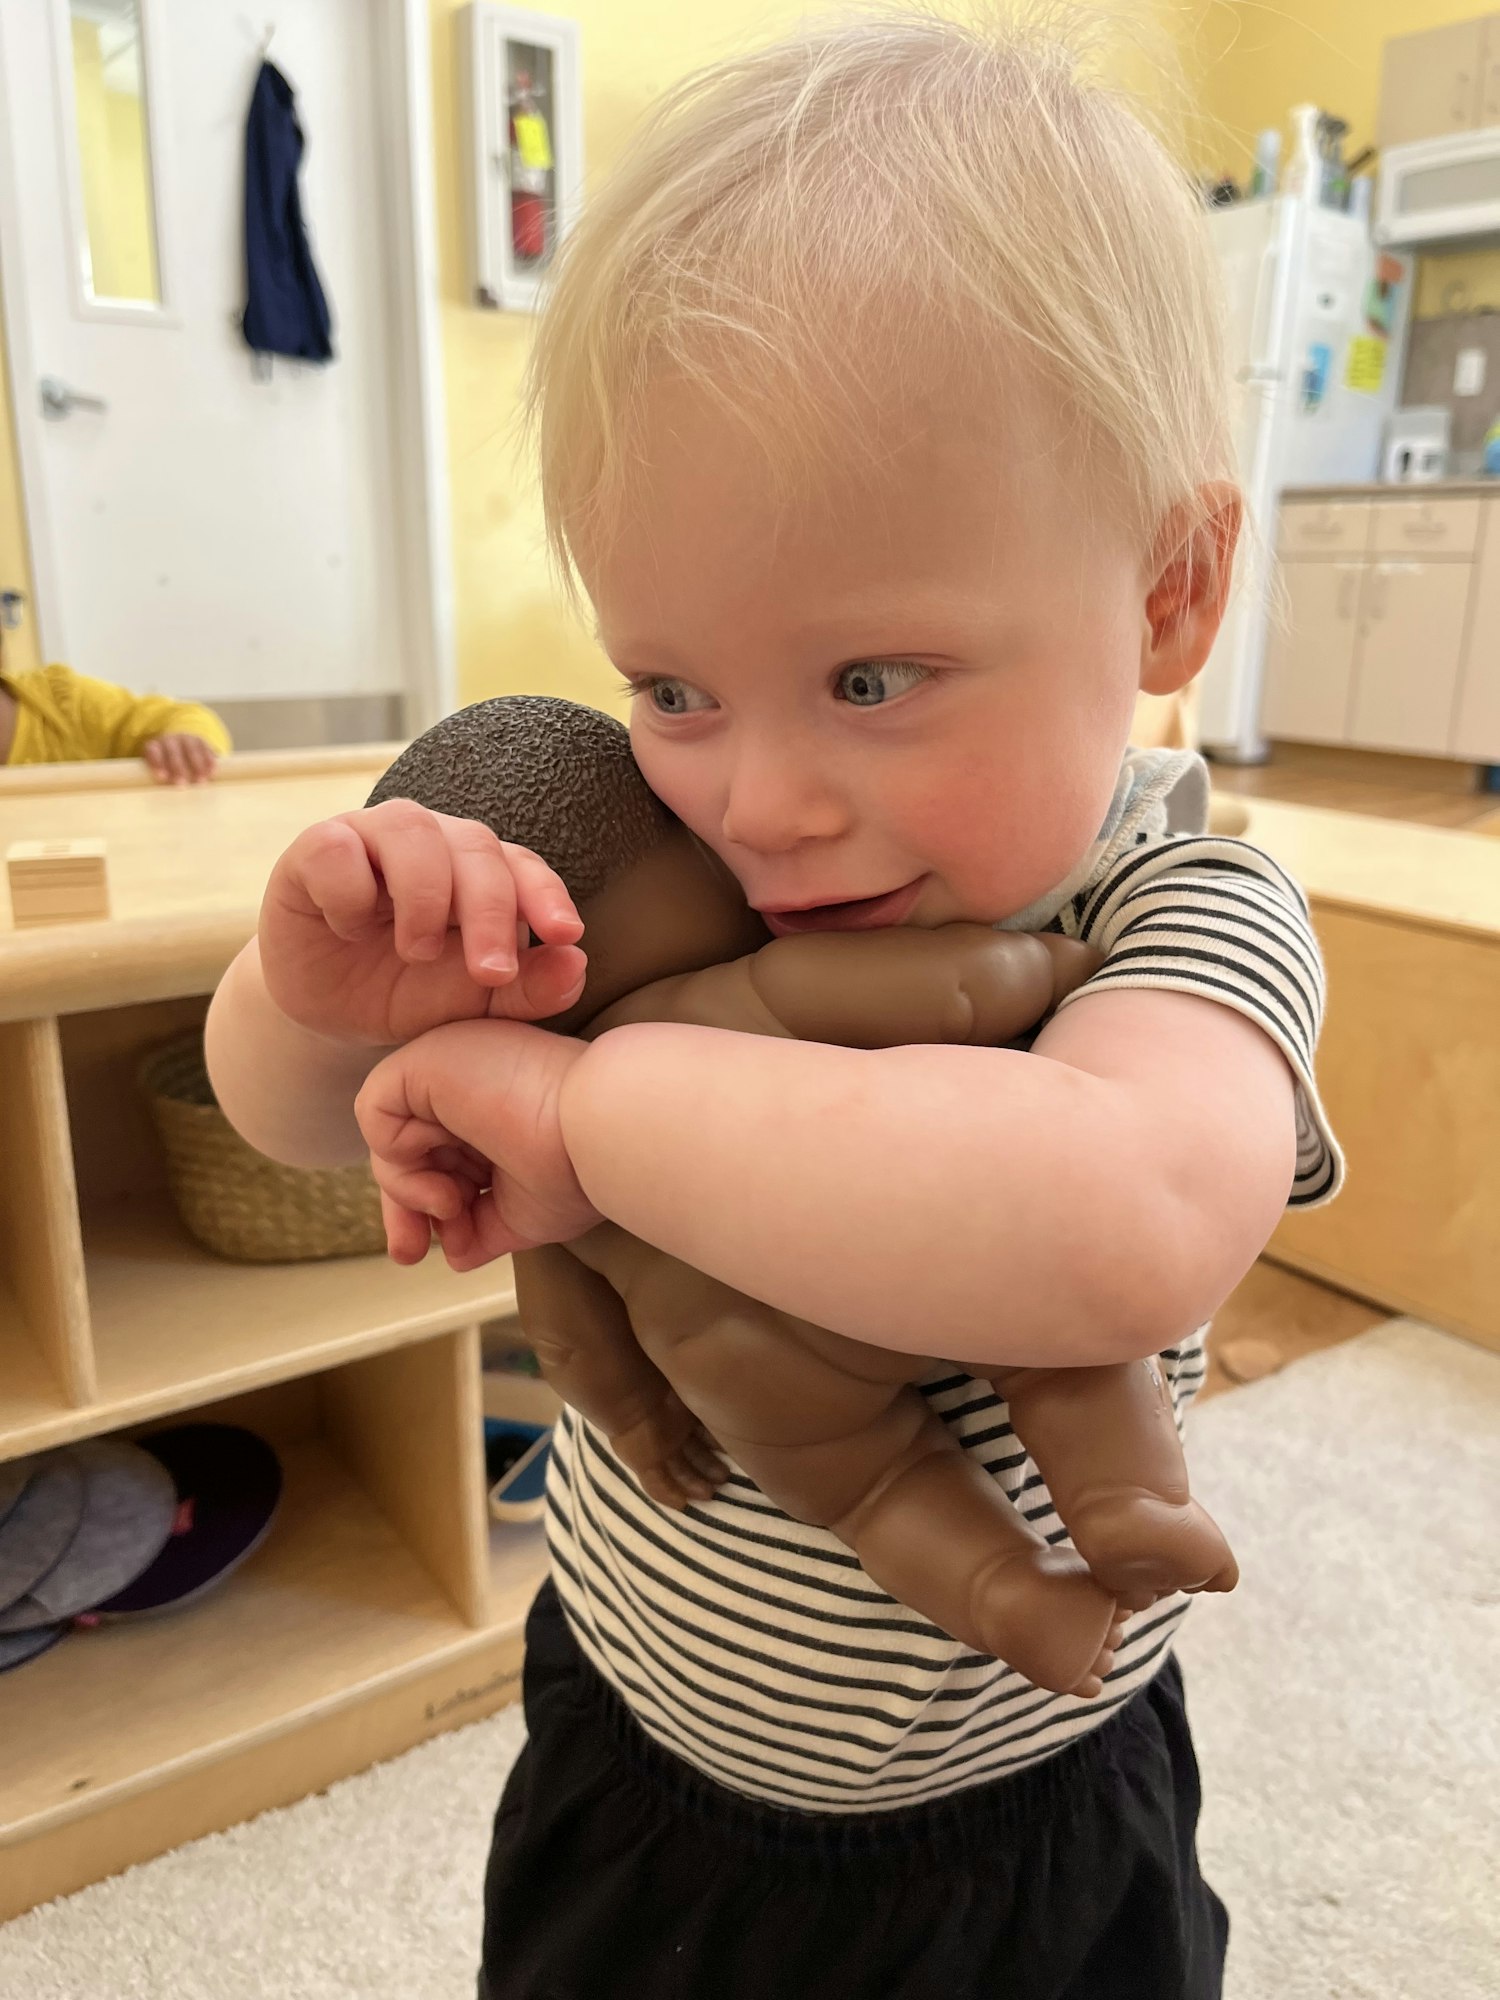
[{"x": 1438, "y": 193}]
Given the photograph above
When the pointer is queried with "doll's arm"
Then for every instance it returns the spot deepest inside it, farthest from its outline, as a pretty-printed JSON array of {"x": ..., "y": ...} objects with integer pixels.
[
  {"x": 580, "y": 1332},
  {"x": 962, "y": 983}
]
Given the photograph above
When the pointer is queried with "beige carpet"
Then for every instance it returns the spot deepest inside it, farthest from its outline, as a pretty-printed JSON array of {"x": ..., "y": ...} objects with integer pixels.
[{"x": 1344, "y": 1699}]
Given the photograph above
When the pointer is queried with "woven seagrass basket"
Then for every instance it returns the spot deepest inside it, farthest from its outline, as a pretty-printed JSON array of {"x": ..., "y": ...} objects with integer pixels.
[{"x": 234, "y": 1200}]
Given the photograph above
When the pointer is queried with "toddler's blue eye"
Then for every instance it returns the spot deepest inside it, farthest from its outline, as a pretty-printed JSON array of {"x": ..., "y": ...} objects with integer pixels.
[
  {"x": 670, "y": 697},
  {"x": 870, "y": 682}
]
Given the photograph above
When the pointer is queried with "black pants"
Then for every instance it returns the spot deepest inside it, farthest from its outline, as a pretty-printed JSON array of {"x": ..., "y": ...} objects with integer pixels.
[{"x": 619, "y": 1873}]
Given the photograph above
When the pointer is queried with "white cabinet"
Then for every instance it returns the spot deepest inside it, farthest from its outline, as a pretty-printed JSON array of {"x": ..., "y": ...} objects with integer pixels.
[
  {"x": 1310, "y": 658},
  {"x": 1324, "y": 528},
  {"x": 1389, "y": 630},
  {"x": 1476, "y": 727},
  {"x": 1411, "y": 640}
]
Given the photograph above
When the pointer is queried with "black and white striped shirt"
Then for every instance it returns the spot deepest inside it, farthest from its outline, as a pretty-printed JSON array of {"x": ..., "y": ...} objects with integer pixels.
[{"x": 756, "y": 1648}]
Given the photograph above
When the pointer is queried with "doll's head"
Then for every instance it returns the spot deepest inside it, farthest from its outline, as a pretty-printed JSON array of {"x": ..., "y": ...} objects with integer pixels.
[
  {"x": 881, "y": 412},
  {"x": 560, "y": 779}
]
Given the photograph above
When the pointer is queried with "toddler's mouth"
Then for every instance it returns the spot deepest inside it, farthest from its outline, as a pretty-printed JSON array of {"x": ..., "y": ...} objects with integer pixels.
[{"x": 861, "y": 913}]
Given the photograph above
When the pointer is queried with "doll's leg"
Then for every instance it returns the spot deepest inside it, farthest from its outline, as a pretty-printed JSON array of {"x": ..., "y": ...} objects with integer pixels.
[
  {"x": 1106, "y": 1442},
  {"x": 580, "y": 1332},
  {"x": 931, "y": 1527}
]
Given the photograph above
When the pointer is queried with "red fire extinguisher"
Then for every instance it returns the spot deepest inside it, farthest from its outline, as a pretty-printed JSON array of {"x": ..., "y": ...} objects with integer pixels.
[{"x": 530, "y": 173}]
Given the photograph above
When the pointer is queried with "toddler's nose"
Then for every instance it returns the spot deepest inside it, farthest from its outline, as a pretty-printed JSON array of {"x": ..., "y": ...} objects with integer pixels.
[{"x": 779, "y": 797}]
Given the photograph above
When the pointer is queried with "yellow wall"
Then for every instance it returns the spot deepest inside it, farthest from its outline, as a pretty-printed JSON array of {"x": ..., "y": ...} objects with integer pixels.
[
  {"x": 513, "y": 634},
  {"x": 1254, "y": 61}
]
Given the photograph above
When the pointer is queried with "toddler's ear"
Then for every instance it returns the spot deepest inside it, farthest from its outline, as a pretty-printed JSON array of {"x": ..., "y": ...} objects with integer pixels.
[{"x": 1188, "y": 578}]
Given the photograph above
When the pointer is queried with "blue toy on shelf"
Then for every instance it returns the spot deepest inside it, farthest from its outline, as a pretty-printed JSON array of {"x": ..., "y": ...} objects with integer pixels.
[{"x": 515, "y": 1458}]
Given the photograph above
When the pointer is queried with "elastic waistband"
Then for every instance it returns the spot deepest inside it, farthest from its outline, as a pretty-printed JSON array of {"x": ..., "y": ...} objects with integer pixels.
[{"x": 945, "y": 1828}]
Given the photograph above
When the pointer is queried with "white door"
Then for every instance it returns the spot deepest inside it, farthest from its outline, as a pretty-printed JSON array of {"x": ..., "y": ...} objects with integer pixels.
[{"x": 197, "y": 525}]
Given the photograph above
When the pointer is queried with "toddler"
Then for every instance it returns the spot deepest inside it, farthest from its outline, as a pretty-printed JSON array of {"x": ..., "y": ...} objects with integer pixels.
[
  {"x": 881, "y": 412},
  {"x": 56, "y": 716}
]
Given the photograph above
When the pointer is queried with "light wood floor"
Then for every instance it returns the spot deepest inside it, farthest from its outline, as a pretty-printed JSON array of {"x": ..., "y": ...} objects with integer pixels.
[
  {"x": 1284, "y": 1316},
  {"x": 1427, "y": 789}
]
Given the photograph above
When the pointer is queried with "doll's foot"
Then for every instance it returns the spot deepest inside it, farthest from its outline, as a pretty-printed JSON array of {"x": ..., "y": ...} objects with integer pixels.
[
  {"x": 1141, "y": 1547},
  {"x": 1043, "y": 1614}
]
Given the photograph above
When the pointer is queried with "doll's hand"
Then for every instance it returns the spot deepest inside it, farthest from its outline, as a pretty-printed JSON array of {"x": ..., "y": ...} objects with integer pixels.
[
  {"x": 672, "y": 1455},
  {"x": 382, "y": 923},
  {"x": 465, "y": 1140}
]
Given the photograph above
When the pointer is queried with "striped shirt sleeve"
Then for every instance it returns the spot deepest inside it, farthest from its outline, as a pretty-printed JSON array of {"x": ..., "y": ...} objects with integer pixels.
[{"x": 1217, "y": 918}]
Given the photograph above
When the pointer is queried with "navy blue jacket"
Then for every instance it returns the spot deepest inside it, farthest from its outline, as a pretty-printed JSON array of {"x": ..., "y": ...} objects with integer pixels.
[{"x": 285, "y": 309}]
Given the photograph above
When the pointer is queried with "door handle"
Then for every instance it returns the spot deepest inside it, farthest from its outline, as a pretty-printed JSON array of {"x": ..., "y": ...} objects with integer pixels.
[
  {"x": 59, "y": 401},
  {"x": 11, "y": 602}
]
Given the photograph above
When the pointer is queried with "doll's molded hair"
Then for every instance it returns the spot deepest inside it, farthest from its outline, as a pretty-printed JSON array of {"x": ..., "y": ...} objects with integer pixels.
[
  {"x": 544, "y": 773},
  {"x": 885, "y": 201}
]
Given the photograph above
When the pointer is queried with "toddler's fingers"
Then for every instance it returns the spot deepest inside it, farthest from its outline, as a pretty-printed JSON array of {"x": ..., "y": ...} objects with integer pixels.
[
  {"x": 329, "y": 871},
  {"x": 390, "y": 1116},
  {"x": 542, "y": 898},
  {"x": 550, "y": 979},
  {"x": 479, "y": 1235},
  {"x": 409, "y": 847},
  {"x": 426, "y": 1190},
  {"x": 484, "y": 902},
  {"x": 408, "y": 1237}
]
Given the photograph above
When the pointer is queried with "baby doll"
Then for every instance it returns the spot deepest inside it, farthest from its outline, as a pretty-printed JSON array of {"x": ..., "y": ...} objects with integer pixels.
[{"x": 669, "y": 1363}]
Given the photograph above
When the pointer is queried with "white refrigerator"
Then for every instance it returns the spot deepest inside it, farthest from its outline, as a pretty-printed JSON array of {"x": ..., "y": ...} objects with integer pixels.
[{"x": 1317, "y": 341}]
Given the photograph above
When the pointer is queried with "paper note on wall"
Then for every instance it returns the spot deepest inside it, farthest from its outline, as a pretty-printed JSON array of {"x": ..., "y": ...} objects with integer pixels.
[{"x": 1365, "y": 369}]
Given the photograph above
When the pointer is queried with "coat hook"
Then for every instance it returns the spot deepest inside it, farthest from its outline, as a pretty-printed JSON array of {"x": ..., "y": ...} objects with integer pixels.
[{"x": 266, "y": 40}]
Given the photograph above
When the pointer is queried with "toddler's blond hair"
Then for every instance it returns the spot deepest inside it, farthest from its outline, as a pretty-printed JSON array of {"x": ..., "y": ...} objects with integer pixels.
[{"x": 805, "y": 228}]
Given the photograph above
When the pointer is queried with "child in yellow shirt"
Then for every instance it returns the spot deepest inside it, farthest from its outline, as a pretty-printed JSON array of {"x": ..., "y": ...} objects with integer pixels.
[{"x": 56, "y": 716}]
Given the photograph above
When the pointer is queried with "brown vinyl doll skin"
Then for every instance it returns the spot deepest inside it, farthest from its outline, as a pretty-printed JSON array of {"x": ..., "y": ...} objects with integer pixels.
[{"x": 669, "y": 1363}]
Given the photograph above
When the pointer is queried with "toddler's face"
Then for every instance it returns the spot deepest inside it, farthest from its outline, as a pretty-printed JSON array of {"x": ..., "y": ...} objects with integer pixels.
[{"x": 901, "y": 697}]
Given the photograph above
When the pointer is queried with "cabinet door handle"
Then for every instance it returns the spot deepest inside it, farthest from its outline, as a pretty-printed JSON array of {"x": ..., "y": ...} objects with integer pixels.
[
  {"x": 1378, "y": 590},
  {"x": 1348, "y": 583}
]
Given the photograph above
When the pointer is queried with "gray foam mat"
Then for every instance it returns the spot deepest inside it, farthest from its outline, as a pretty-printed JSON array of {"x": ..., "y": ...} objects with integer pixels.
[
  {"x": 16, "y": 1648},
  {"x": 130, "y": 1501},
  {"x": 40, "y": 1526}
]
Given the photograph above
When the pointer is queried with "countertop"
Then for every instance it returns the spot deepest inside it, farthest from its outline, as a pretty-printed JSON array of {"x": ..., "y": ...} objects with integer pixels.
[{"x": 1389, "y": 489}]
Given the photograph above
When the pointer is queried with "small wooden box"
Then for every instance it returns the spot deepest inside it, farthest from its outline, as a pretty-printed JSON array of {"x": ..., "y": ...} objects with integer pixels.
[{"x": 56, "y": 881}]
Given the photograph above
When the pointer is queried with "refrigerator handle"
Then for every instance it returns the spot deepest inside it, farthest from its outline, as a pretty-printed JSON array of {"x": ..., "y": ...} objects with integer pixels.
[{"x": 1262, "y": 368}]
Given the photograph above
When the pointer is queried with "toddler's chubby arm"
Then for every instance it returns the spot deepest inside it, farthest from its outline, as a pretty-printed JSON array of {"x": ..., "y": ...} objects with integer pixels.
[
  {"x": 376, "y": 926},
  {"x": 1088, "y": 1202}
]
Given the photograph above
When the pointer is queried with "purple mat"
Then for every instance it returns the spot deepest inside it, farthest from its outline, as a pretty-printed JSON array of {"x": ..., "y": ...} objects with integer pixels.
[{"x": 228, "y": 1484}]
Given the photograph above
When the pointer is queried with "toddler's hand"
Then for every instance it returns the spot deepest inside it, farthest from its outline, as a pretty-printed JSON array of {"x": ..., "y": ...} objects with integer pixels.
[
  {"x": 465, "y": 1139},
  {"x": 179, "y": 758},
  {"x": 382, "y": 923}
]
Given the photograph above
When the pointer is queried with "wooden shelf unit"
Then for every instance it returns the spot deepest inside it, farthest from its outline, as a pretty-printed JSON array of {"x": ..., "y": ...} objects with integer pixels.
[{"x": 383, "y": 1607}]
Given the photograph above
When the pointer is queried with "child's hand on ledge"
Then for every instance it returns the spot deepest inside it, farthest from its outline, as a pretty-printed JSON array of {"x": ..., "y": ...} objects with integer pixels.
[
  {"x": 179, "y": 759},
  {"x": 466, "y": 1141}
]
